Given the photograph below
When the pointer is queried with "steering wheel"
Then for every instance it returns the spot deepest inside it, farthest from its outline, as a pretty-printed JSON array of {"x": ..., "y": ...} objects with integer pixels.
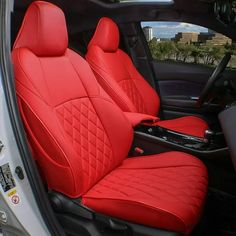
[{"x": 214, "y": 77}]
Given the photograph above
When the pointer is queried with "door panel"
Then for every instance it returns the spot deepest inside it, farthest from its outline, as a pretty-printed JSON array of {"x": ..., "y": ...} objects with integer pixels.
[
  {"x": 166, "y": 70},
  {"x": 178, "y": 80},
  {"x": 180, "y": 84}
]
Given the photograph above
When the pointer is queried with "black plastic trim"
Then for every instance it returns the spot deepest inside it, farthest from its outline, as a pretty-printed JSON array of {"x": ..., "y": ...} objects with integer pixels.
[
  {"x": 76, "y": 217},
  {"x": 153, "y": 145}
]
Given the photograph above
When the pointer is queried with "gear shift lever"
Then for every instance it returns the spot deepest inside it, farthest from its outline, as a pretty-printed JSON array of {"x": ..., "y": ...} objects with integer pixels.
[{"x": 208, "y": 136}]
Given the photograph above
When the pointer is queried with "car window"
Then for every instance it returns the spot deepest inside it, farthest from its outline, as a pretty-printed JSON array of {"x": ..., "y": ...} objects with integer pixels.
[{"x": 188, "y": 43}]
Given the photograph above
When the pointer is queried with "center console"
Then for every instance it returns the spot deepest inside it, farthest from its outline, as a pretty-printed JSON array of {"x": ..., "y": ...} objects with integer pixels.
[{"x": 152, "y": 137}]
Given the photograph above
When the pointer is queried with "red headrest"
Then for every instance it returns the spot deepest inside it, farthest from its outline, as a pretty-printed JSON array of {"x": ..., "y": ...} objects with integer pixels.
[
  {"x": 43, "y": 30},
  {"x": 106, "y": 36}
]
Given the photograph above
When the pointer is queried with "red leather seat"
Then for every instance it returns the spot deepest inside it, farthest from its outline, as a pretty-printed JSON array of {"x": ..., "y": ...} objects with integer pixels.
[
  {"x": 154, "y": 191},
  {"x": 126, "y": 86},
  {"x": 81, "y": 138}
]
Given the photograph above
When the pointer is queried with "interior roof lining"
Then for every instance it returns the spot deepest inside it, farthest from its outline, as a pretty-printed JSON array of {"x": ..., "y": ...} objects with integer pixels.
[{"x": 85, "y": 13}]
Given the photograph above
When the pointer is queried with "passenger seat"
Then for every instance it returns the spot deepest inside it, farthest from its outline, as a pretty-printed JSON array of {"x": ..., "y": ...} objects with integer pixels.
[{"x": 118, "y": 76}]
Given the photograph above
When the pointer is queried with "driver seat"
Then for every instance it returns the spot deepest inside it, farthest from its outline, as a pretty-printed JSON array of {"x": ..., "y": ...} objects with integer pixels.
[{"x": 117, "y": 74}]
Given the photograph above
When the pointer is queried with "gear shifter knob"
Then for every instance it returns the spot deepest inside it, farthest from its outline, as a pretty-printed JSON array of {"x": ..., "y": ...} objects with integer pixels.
[{"x": 208, "y": 136}]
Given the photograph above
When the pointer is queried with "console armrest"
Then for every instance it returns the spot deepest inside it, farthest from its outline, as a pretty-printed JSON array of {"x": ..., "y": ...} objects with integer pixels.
[{"x": 139, "y": 118}]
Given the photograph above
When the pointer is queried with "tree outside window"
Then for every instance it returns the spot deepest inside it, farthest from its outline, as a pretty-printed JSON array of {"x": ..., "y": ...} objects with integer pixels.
[{"x": 183, "y": 42}]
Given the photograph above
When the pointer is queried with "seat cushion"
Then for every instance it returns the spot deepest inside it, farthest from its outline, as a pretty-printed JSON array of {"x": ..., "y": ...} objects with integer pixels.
[
  {"x": 190, "y": 125},
  {"x": 164, "y": 191}
]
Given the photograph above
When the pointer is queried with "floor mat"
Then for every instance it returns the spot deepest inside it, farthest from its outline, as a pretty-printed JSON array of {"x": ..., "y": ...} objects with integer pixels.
[{"x": 219, "y": 218}]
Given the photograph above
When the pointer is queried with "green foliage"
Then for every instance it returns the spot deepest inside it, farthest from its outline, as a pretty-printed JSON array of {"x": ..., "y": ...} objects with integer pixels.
[
  {"x": 191, "y": 53},
  {"x": 231, "y": 48},
  {"x": 161, "y": 50},
  {"x": 184, "y": 51}
]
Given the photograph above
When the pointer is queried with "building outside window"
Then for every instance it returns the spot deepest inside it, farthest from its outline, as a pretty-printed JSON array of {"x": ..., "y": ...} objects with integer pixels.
[{"x": 188, "y": 43}]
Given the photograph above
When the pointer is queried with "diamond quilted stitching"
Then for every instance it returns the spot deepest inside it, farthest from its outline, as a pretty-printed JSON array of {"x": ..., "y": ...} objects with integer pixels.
[
  {"x": 132, "y": 92},
  {"x": 88, "y": 137}
]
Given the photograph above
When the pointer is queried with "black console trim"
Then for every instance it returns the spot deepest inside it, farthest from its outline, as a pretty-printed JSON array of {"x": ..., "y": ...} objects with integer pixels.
[{"x": 153, "y": 143}]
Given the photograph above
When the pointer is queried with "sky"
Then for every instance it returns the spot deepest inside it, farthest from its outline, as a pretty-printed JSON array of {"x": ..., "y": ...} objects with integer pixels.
[{"x": 169, "y": 29}]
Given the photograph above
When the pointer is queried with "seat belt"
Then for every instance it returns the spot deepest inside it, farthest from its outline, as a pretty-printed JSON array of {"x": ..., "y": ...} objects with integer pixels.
[{"x": 132, "y": 41}]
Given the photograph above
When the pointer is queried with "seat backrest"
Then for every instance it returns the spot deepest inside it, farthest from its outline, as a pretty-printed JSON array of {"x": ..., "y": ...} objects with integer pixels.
[
  {"x": 77, "y": 132},
  {"x": 116, "y": 73}
]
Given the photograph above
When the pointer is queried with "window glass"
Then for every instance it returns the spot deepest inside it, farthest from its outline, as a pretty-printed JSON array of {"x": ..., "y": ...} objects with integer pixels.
[{"x": 188, "y": 43}]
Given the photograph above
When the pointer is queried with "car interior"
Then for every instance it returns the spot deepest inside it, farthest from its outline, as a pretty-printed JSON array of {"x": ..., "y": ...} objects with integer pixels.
[{"x": 127, "y": 143}]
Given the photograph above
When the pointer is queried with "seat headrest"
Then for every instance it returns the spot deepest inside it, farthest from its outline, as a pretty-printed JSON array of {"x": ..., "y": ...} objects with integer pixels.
[
  {"x": 43, "y": 30},
  {"x": 106, "y": 36}
]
